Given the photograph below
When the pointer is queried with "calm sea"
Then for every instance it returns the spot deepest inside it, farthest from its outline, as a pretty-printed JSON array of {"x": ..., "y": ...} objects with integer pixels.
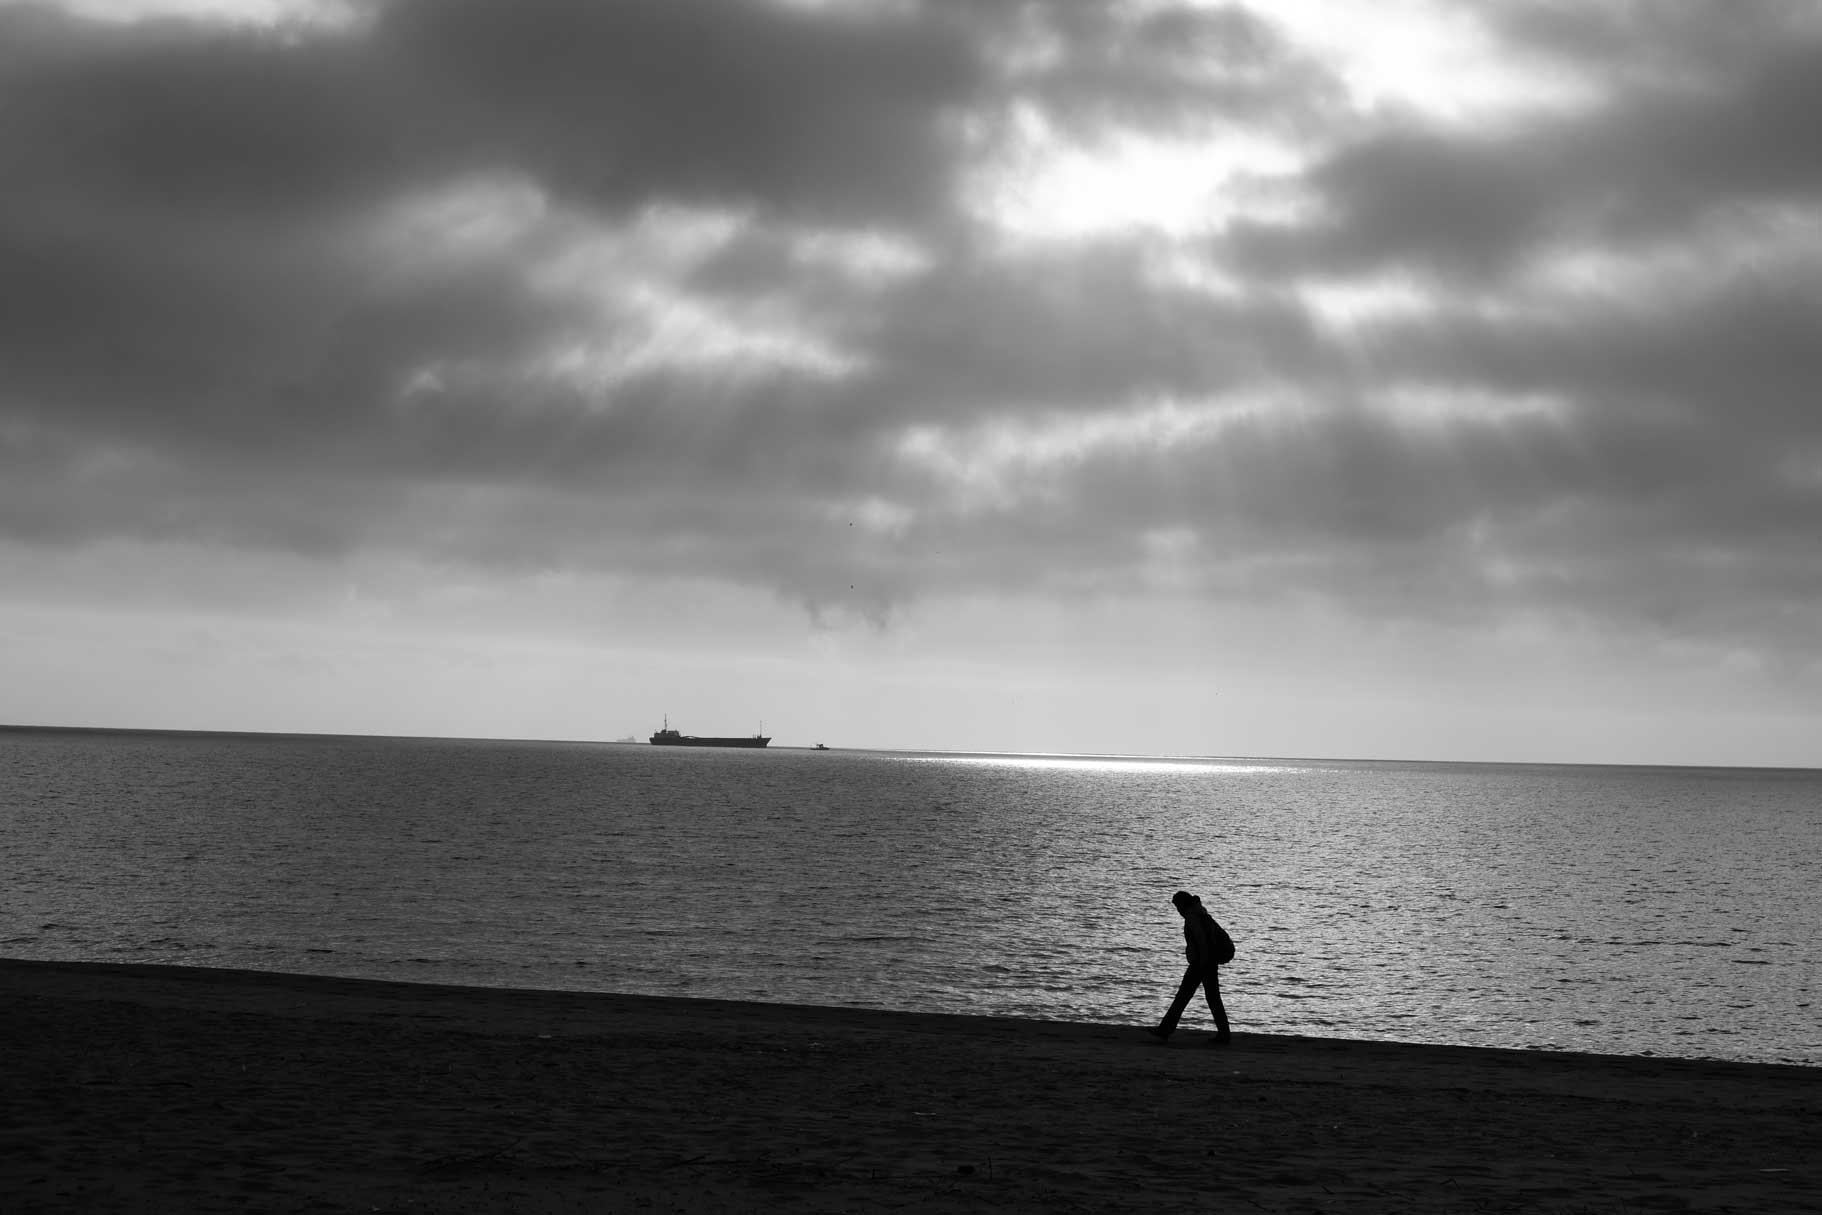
[{"x": 1632, "y": 910}]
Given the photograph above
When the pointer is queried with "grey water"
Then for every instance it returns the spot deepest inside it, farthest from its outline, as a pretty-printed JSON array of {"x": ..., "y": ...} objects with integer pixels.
[{"x": 1664, "y": 911}]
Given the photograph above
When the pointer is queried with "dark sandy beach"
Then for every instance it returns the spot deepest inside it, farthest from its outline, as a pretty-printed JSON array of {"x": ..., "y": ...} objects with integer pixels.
[{"x": 134, "y": 1088}]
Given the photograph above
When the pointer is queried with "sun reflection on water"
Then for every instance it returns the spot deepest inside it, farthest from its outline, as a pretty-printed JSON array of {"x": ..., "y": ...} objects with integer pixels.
[{"x": 1114, "y": 763}]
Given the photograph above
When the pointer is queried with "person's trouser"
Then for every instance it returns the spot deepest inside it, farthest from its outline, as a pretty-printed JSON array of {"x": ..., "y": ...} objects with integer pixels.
[{"x": 1209, "y": 980}]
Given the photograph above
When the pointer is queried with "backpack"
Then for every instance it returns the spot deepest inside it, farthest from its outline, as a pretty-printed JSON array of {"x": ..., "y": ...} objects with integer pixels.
[{"x": 1224, "y": 944}]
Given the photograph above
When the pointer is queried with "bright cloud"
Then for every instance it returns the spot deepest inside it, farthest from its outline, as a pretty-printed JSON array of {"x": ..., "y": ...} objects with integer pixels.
[{"x": 1434, "y": 61}]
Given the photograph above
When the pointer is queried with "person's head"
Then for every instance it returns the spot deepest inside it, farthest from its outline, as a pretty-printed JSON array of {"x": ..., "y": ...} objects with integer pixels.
[{"x": 1185, "y": 902}]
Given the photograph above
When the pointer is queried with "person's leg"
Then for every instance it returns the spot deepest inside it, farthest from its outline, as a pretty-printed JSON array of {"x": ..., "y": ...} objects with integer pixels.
[
  {"x": 1211, "y": 988},
  {"x": 1192, "y": 978}
]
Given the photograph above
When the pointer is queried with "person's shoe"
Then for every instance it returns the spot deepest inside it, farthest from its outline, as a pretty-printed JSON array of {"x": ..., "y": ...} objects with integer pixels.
[
  {"x": 1221, "y": 1040},
  {"x": 1162, "y": 1035}
]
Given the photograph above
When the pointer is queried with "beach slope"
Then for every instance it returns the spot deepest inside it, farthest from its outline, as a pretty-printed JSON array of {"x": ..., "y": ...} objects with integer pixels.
[{"x": 148, "y": 1088}]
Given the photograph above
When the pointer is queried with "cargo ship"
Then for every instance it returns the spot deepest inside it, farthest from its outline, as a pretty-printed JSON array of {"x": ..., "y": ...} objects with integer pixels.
[{"x": 668, "y": 737}]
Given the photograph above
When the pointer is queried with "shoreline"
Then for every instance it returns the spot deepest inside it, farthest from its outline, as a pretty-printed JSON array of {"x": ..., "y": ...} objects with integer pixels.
[{"x": 148, "y": 1087}]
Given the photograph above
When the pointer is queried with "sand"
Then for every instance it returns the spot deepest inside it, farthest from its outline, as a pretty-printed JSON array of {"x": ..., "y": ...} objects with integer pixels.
[{"x": 145, "y": 1088}]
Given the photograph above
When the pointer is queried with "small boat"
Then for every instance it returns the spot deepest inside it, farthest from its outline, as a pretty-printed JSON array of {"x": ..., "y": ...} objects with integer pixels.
[{"x": 820, "y": 747}]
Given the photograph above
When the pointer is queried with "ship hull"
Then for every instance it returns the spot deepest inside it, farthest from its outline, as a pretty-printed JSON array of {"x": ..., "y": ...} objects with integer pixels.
[{"x": 692, "y": 740}]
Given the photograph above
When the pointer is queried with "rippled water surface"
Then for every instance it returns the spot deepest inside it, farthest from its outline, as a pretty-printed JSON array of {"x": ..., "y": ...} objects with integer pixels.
[{"x": 1629, "y": 910}]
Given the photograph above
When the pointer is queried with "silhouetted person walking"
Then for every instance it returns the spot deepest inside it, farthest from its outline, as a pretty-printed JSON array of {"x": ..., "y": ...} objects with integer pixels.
[{"x": 1207, "y": 945}]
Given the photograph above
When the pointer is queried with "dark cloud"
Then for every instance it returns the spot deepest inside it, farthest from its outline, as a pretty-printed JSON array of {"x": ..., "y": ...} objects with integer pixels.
[
  {"x": 182, "y": 255},
  {"x": 819, "y": 116},
  {"x": 173, "y": 120},
  {"x": 709, "y": 100},
  {"x": 698, "y": 288},
  {"x": 1081, "y": 327}
]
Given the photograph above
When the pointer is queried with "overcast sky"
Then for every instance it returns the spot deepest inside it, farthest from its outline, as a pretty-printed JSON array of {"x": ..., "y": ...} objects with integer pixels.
[{"x": 1305, "y": 378}]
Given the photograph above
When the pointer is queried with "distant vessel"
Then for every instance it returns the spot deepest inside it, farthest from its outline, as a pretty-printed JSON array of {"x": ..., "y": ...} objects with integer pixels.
[
  {"x": 820, "y": 747},
  {"x": 668, "y": 737}
]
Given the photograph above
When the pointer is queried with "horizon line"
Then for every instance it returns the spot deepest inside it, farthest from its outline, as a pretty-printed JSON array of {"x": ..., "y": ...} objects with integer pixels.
[{"x": 29, "y": 727}]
